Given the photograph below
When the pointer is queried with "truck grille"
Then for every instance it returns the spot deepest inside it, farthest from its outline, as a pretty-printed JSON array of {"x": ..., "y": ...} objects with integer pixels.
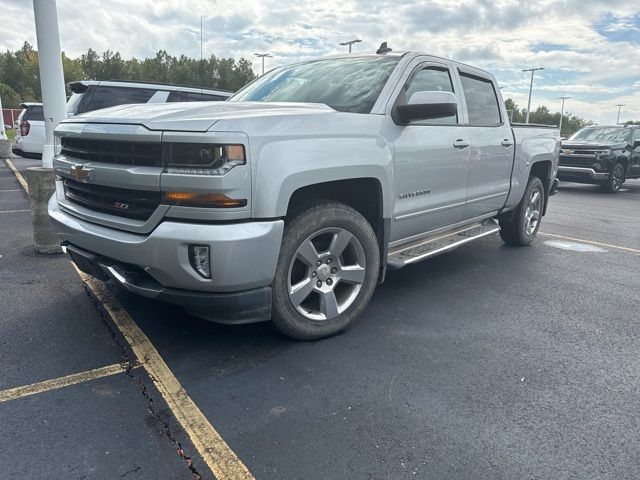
[
  {"x": 143, "y": 154},
  {"x": 577, "y": 161},
  {"x": 123, "y": 202}
]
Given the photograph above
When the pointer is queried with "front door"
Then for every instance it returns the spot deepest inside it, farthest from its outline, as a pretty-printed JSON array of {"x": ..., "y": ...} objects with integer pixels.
[
  {"x": 431, "y": 161},
  {"x": 492, "y": 147},
  {"x": 634, "y": 161}
]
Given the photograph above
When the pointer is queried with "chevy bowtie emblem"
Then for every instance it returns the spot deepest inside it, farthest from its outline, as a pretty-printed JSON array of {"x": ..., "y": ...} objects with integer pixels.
[{"x": 80, "y": 173}]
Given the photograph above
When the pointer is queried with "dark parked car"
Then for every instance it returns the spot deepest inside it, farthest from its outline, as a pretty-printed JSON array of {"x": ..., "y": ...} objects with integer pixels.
[{"x": 604, "y": 155}]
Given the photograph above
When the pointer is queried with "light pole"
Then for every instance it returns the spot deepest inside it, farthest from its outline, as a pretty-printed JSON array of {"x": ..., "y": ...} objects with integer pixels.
[
  {"x": 532, "y": 70},
  {"x": 620, "y": 105},
  {"x": 562, "y": 113},
  {"x": 51, "y": 78},
  {"x": 262, "y": 56},
  {"x": 350, "y": 42}
]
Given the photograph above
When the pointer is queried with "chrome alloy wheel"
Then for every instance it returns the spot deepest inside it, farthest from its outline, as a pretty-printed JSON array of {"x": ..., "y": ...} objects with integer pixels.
[
  {"x": 326, "y": 274},
  {"x": 532, "y": 215},
  {"x": 617, "y": 178}
]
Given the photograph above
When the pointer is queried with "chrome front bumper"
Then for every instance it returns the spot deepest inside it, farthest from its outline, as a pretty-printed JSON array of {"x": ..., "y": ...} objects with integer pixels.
[
  {"x": 585, "y": 172},
  {"x": 243, "y": 255}
]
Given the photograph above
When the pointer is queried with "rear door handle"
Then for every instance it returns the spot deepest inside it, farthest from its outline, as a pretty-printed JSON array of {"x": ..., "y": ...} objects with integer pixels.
[
  {"x": 459, "y": 143},
  {"x": 507, "y": 142}
]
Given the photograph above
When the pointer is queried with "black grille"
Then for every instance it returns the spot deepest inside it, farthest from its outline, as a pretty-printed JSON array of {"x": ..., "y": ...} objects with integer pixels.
[
  {"x": 136, "y": 204},
  {"x": 577, "y": 161},
  {"x": 143, "y": 154}
]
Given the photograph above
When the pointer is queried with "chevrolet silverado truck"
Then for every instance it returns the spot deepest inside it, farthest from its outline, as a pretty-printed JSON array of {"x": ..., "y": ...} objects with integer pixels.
[
  {"x": 291, "y": 200},
  {"x": 601, "y": 155}
]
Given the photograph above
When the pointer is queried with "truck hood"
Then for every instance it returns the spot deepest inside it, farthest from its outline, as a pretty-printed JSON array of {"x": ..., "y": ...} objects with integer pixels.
[
  {"x": 575, "y": 145},
  {"x": 194, "y": 116}
]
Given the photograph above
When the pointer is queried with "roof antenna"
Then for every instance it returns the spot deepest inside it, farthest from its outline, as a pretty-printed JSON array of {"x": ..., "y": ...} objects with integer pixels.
[{"x": 383, "y": 49}]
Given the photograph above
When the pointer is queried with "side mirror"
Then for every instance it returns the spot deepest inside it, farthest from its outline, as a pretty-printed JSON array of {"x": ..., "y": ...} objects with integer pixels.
[
  {"x": 427, "y": 105},
  {"x": 636, "y": 144}
]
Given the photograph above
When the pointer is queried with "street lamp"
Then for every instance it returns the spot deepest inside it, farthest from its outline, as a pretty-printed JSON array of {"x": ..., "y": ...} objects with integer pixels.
[
  {"x": 562, "y": 112},
  {"x": 532, "y": 70},
  {"x": 262, "y": 56},
  {"x": 620, "y": 105},
  {"x": 350, "y": 42}
]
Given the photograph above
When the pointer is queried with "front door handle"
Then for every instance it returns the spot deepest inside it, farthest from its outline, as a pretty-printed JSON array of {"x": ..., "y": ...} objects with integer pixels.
[
  {"x": 459, "y": 143},
  {"x": 507, "y": 142}
]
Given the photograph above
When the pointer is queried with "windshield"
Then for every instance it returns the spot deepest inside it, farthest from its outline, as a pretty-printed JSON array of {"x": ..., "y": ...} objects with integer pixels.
[
  {"x": 349, "y": 84},
  {"x": 603, "y": 134}
]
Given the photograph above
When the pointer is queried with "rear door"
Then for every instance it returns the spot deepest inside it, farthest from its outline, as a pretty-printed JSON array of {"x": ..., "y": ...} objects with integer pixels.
[
  {"x": 430, "y": 157},
  {"x": 492, "y": 146}
]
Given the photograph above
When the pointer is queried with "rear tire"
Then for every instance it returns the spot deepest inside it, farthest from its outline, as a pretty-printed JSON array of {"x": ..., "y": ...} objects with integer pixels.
[
  {"x": 616, "y": 179},
  {"x": 326, "y": 273},
  {"x": 522, "y": 228}
]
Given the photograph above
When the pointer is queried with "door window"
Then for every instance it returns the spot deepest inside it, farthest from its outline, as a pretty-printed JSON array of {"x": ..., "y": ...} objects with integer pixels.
[
  {"x": 428, "y": 80},
  {"x": 636, "y": 136},
  {"x": 105, "y": 96},
  {"x": 482, "y": 101}
]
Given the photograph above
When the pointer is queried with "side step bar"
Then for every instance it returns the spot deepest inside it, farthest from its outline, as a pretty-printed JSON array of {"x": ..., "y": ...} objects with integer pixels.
[{"x": 406, "y": 255}]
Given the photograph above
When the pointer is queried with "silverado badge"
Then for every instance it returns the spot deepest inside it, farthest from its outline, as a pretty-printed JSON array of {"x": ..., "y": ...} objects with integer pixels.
[{"x": 80, "y": 173}]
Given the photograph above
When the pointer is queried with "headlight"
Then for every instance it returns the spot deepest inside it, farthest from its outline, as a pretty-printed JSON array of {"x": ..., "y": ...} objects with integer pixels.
[
  {"x": 202, "y": 158},
  {"x": 57, "y": 145}
]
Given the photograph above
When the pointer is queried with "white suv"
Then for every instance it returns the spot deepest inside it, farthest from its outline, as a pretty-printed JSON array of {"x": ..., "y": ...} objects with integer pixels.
[{"x": 30, "y": 131}]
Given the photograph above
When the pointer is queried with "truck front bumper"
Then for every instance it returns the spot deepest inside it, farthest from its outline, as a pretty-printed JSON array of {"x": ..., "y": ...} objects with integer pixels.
[
  {"x": 578, "y": 174},
  {"x": 243, "y": 258}
]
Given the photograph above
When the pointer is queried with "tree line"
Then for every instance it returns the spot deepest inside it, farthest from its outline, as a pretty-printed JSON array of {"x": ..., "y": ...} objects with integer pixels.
[
  {"x": 20, "y": 75},
  {"x": 570, "y": 123},
  {"x": 20, "y": 78}
]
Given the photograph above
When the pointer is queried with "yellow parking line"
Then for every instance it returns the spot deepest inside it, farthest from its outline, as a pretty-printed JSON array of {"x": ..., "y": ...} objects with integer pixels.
[
  {"x": 14, "y": 211},
  {"x": 626, "y": 249},
  {"x": 18, "y": 175},
  {"x": 61, "y": 382},
  {"x": 214, "y": 451}
]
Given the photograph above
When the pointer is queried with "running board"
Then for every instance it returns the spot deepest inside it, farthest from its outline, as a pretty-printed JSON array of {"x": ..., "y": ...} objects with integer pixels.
[{"x": 406, "y": 255}]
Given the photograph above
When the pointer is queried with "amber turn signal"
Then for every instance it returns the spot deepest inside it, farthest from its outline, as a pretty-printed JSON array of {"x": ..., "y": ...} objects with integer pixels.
[{"x": 195, "y": 199}]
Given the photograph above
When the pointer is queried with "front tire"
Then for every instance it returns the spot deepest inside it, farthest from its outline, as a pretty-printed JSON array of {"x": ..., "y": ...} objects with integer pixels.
[
  {"x": 522, "y": 228},
  {"x": 616, "y": 179},
  {"x": 326, "y": 273}
]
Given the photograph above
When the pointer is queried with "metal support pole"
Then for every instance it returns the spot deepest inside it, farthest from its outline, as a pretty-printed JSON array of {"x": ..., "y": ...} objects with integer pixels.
[
  {"x": 529, "y": 102},
  {"x": 530, "y": 89},
  {"x": 51, "y": 76},
  {"x": 3, "y": 135},
  {"x": 619, "y": 108}
]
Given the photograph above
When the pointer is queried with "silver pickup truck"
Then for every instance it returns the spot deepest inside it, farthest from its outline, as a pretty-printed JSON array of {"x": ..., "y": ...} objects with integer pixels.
[{"x": 290, "y": 200}]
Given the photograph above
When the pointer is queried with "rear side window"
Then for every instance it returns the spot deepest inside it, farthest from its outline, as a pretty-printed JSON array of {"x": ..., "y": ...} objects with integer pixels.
[
  {"x": 203, "y": 97},
  {"x": 482, "y": 102},
  {"x": 104, "y": 97},
  {"x": 177, "y": 97},
  {"x": 34, "y": 113},
  {"x": 428, "y": 80},
  {"x": 636, "y": 136}
]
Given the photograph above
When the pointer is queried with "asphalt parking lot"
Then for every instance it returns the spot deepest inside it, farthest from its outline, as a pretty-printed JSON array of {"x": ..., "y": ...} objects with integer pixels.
[{"x": 487, "y": 362}]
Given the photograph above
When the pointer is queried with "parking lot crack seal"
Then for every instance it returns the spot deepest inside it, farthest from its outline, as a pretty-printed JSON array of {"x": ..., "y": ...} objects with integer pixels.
[{"x": 129, "y": 362}]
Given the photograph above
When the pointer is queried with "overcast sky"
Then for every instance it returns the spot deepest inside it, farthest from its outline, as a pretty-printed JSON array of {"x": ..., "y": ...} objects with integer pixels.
[{"x": 590, "y": 48}]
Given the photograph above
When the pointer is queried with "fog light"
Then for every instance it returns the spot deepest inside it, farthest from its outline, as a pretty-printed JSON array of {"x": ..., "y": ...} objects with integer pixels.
[{"x": 199, "y": 259}]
